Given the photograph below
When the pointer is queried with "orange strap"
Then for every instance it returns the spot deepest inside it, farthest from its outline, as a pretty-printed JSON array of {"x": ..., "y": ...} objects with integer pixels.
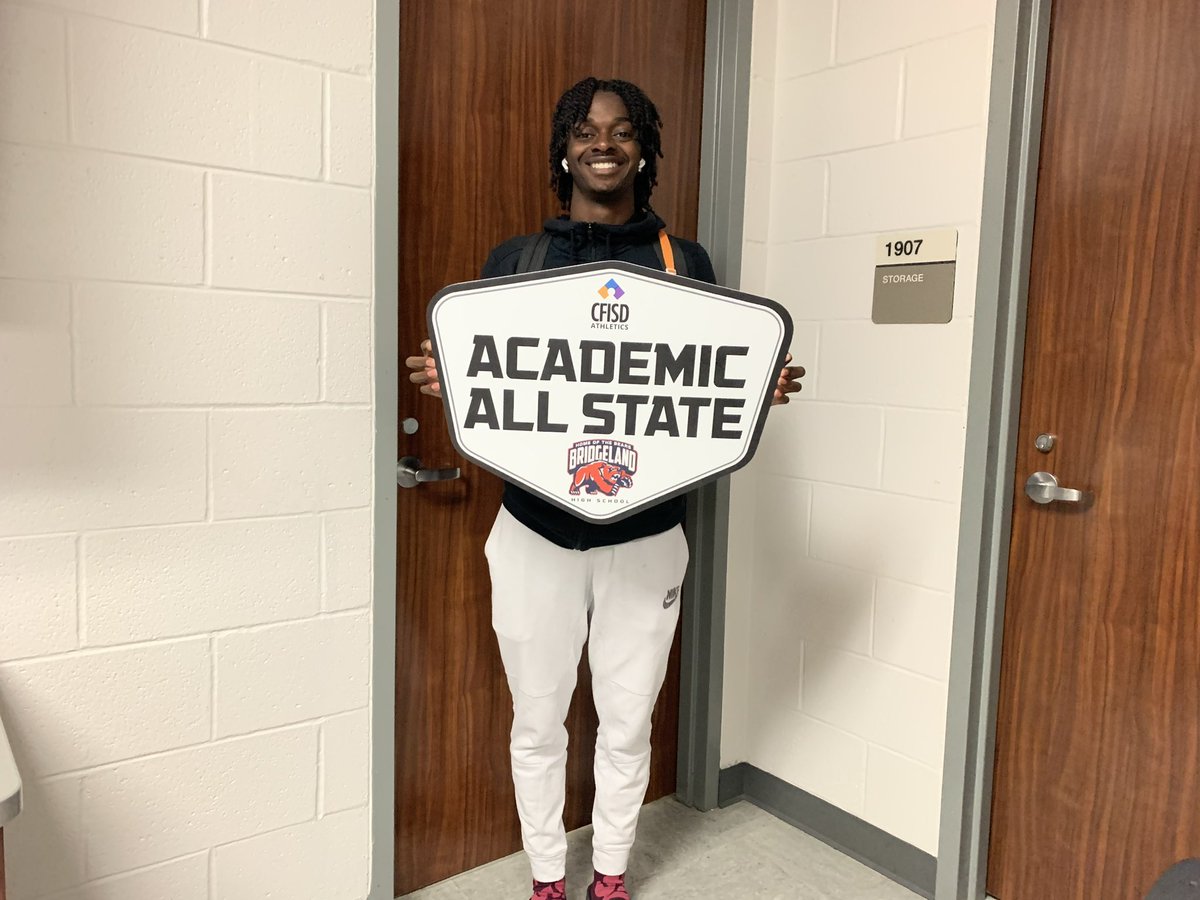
[{"x": 667, "y": 253}]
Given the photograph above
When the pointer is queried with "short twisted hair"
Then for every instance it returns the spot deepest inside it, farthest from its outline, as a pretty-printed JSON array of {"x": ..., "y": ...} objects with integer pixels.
[{"x": 572, "y": 109}]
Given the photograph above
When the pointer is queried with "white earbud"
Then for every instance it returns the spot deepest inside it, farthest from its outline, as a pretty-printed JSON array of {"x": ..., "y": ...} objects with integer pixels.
[
  {"x": 641, "y": 164},
  {"x": 566, "y": 168}
]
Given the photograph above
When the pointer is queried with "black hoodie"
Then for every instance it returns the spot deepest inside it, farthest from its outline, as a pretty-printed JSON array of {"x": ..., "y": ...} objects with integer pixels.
[{"x": 573, "y": 243}]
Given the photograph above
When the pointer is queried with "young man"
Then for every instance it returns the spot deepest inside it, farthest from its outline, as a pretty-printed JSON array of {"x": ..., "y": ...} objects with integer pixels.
[{"x": 558, "y": 581}]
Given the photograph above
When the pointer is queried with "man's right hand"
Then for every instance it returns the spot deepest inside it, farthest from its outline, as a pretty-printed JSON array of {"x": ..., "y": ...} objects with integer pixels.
[{"x": 425, "y": 370}]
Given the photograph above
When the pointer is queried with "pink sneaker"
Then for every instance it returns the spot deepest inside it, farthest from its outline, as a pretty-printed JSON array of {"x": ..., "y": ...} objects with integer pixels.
[
  {"x": 550, "y": 890},
  {"x": 608, "y": 887}
]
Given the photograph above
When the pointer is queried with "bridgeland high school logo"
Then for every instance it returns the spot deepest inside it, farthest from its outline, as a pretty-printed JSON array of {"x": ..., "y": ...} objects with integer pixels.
[{"x": 601, "y": 467}]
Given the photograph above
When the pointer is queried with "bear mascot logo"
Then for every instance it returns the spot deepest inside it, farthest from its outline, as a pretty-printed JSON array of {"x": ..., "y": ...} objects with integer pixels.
[{"x": 601, "y": 477}]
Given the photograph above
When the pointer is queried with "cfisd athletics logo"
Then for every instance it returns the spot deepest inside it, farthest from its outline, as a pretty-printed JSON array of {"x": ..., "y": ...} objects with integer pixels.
[
  {"x": 611, "y": 287},
  {"x": 610, "y": 315},
  {"x": 601, "y": 466}
]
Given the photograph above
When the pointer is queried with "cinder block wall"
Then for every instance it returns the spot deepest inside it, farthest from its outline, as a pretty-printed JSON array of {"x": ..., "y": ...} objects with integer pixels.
[
  {"x": 186, "y": 474},
  {"x": 865, "y": 117}
]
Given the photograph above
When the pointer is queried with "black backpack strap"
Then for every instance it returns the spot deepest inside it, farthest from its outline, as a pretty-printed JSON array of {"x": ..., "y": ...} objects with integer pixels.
[
  {"x": 533, "y": 254},
  {"x": 681, "y": 268}
]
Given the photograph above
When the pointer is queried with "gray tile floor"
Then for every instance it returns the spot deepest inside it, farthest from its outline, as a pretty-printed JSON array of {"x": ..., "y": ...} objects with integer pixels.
[{"x": 737, "y": 853}]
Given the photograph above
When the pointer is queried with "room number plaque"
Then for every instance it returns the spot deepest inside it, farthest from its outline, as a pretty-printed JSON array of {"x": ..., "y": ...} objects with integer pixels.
[{"x": 914, "y": 277}]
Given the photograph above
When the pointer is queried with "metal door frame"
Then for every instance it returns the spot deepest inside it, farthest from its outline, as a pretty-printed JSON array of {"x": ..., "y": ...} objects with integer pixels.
[
  {"x": 723, "y": 154},
  {"x": 1018, "y": 88},
  {"x": 722, "y": 202},
  {"x": 386, "y": 447}
]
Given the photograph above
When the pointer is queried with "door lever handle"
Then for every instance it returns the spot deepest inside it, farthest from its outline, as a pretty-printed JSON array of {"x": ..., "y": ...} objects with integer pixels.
[
  {"x": 409, "y": 473},
  {"x": 1042, "y": 487}
]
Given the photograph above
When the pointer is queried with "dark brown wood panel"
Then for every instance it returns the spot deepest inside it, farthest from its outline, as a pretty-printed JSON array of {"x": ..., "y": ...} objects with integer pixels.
[
  {"x": 1098, "y": 754},
  {"x": 478, "y": 81}
]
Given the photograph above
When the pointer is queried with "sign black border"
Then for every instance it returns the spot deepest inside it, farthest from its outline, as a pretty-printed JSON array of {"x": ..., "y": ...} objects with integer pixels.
[{"x": 643, "y": 272}]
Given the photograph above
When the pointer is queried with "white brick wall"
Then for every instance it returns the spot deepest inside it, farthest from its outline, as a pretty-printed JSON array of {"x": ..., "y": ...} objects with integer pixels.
[
  {"x": 78, "y": 468},
  {"x": 267, "y": 461},
  {"x": 182, "y": 879},
  {"x": 328, "y": 33},
  {"x": 35, "y": 343},
  {"x": 274, "y": 235},
  {"x": 37, "y": 582},
  {"x": 185, "y": 384},
  {"x": 352, "y": 152},
  {"x": 33, "y": 74},
  {"x": 344, "y": 757},
  {"x": 141, "y": 346},
  {"x": 167, "y": 15},
  {"x": 263, "y": 866},
  {"x": 248, "y": 112},
  {"x": 941, "y": 180},
  {"x": 149, "y": 583},
  {"x": 81, "y": 710},
  {"x": 291, "y": 672},
  {"x": 865, "y": 117},
  {"x": 347, "y": 549},
  {"x": 816, "y": 122},
  {"x": 61, "y": 204},
  {"x": 177, "y": 803},
  {"x": 44, "y": 848},
  {"x": 866, "y": 27}
]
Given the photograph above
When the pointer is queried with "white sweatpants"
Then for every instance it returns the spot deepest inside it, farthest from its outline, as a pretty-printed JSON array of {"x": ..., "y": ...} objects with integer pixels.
[{"x": 543, "y": 598}]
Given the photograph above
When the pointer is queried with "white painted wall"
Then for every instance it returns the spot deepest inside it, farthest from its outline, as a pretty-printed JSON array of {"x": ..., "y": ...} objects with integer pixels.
[
  {"x": 185, "y": 387},
  {"x": 865, "y": 117}
]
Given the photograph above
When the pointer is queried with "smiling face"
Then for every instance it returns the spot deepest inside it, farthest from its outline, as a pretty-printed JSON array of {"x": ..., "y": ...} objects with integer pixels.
[{"x": 603, "y": 152}]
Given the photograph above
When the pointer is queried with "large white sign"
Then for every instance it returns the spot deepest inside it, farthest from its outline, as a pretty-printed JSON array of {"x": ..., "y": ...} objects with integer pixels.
[{"x": 606, "y": 387}]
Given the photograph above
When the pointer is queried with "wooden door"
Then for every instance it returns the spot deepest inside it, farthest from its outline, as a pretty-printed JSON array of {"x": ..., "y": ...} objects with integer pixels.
[
  {"x": 478, "y": 81},
  {"x": 1097, "y": 784}
]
